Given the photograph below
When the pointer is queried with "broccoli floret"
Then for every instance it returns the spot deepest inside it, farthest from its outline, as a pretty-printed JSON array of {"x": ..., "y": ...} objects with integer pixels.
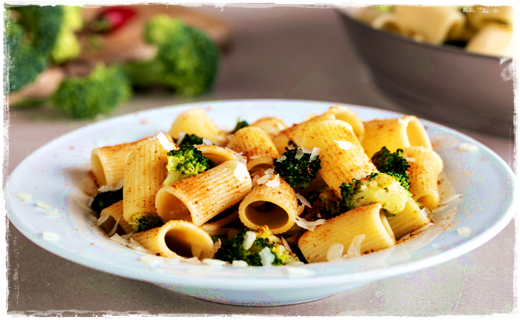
[
  {"x": 29, "y": 39},
  {"x": 186, "y": 59},
  {"x": 374, "y": 188},
  {"x": 324, "y": 205},
  {"x": 105, "y": 199},
  {"x": 240, "y": 124},
  {"x": 191, "y": 140},
  {"x": 142, "y": 223},
  {"x": 186, "y": 162},
  {"x": 103, "y": 90},
  {"x": 67, "y": 45},
  {"x": 296, "y": 168},
  {"x": 234, "y": 250},
  {"x": 393, "y": 164}
]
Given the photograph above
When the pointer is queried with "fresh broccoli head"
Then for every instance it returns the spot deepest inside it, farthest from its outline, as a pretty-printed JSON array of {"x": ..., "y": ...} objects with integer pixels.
[
  {"x": 67, "y": 45},
  {"x": 263, "y": 249},
  {"x": 240, "y": 124},
  {"x": 186, "y": 162},
  {"x": 186, "y": 59},
  {"x": 190, "y": 140},
  {"x": 105, "y": 199},
  {"x": 103, "y": 90},
  {"x": 296, "y": 167},
  {"x": 31, "y": 33},
  {"x": 142, "y": 223},
  {"x": 375, "y": 188},
  {"x": 393, "y": 164}
]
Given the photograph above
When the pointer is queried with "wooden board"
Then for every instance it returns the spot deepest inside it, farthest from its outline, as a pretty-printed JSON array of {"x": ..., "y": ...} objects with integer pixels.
[{"x": 127, "y": 44}]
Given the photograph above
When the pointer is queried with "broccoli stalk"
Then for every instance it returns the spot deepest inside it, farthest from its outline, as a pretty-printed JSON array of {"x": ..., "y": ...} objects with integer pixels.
[
  {"x": 186, "y": 59},
  {"x": 234, "y": 249},
  {"x": 375, "y": 188},
  {"x": 393, "y": 164},
  {"x": 296, "y": 168},
  {"x": 105, "y": 199},
  {"x": 103, "y": 90},
  {"x": 142, "y": 222},
  {"x": 186, "y": 162},
  {"x": 324, "y": 205}
]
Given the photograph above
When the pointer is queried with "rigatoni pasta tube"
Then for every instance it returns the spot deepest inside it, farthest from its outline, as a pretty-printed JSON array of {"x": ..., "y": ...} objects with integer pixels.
[
  {"x": 435, "y": 24},
  {"x": 347, "y": 115},
  {"x": 196, "y": 121},
  {"x": 378, "y": 19},
  {"x": 368, "y": 220},
  {"x": 116, "y": 212},
  {"x": 108, "y": 163},
  {"x": 479, "y": 16},
  {"x": 342, "y": 157},
  {"x": 177, "y": 239},
  {"x": 271, "y": 125},
  {"x": 144, "y": 174},
  {"x": 217, "y": 155},
  {"x": 425, "y": 167},
  {"x": 199, "y": 198},
  {"x": 493, "y": 39},
  {"x": 394, "y": 134},
  {"x": 256, "y": 146},
  {"x": 410, "y": 219},
  {"x": 275, "y": 207}
]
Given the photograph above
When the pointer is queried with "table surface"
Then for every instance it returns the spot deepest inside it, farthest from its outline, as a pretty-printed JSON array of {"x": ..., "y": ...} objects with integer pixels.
[{"x": 278, "y": 53}]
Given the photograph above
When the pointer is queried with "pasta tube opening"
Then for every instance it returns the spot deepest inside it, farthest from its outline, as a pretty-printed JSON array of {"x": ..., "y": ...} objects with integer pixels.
[
  {"x": 417, "y": 135},
  {"x": 98, "y": 170},
  {"x": 171, "y": 207},
  {"x": 266, "y": 213}
]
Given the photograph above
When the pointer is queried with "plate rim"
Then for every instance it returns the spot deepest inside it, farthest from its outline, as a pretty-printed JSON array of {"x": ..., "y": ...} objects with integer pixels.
[{"x": 266, "y": 282}]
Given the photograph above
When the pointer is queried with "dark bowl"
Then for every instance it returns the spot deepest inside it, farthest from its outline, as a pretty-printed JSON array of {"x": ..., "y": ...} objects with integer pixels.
[{"x": 448, "y": 85}]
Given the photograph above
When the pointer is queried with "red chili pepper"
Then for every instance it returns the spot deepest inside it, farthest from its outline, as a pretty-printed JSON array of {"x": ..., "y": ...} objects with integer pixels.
[{"x": 112, "y": 18}]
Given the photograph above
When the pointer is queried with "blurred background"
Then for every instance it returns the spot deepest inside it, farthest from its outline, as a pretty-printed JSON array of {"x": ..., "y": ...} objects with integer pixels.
[{"x": 72, "y": 66}]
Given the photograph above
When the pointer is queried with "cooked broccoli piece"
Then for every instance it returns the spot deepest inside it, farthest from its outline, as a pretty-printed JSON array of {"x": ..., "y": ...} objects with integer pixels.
[
  {"x": 265, "y": 240},
  {"x": 296, "y": 168},
  {"x": 186, "y": 59},
  {"x": 67, "y": 45},
  {"x": 142, "y": 223},
  {"x": 105, "y": 199},
  {"x": 384, "y": 8},
  {"x": 240, "y": 124},
  {"x": 325, "y": 205},
  {"x": 374, "y": 188},
  {"x": 191, "y": 140},
  {"x": 393, "y": 164},
  {"x": 31, "y": 33},
  {"x": 186, "y": 162},
  {"x": 103, "y": 90}
]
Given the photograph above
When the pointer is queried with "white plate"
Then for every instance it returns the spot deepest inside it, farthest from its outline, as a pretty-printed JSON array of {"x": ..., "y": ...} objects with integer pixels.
[{"x": 56, "y": 174}]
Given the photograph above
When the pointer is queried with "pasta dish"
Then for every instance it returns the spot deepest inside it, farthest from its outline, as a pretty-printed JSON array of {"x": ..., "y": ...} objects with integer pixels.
[
  {"x": 331, "y": 187},
  {"x": 477, "y": 29}
]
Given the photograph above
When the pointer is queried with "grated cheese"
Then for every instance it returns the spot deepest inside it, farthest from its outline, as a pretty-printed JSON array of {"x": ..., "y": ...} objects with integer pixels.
[
  {"x": 254, "y": 157},
  {"x": 464, "y": 231},
  {"x": 275, "y": 183},
  {"x": 114, "y": 228},
  {"x": 241, "y": 172},
  {"x": 305, "y": 150},
  {"x": 355, "y": 247},
  {"x": 409, "y": 159},
  {"x": 345, "y": 145},
  {"x": 180, "y": 138},
  {"x": 249, "y": 238},
  {"x": 239, "y": 263},
  {"x": 266, "y": 257},
  {"x": 45, "y": 206},
  {"x": 335, "y": 251},
  {"x": 53, "y": 213},
  {"x": 466, "y": 146},
  {"x": 207, "y": 142},
  {"x": 299, "y": 154},
  {"x": 315, "y": 152},
  {"x": 165, "y": 143},
  {"x": 303, "y": 200},
  {"x": 106, "y": 188},
  {"x": 117, "y": 239},
  {"x": 150, "y": 259},
  {"x": 24, "y": 196},
  {"x": 214, "y": 262},
  {"x": 196, "y": 250},
  {"x": 286, "y": 244},
  {"x": 450, "y": 199},
  {"x": 47, "y": 235},
  {"x": 302, "y": 223},
  {"x": 282, "y": 158},
  {"x": 102, "y": 219}
]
